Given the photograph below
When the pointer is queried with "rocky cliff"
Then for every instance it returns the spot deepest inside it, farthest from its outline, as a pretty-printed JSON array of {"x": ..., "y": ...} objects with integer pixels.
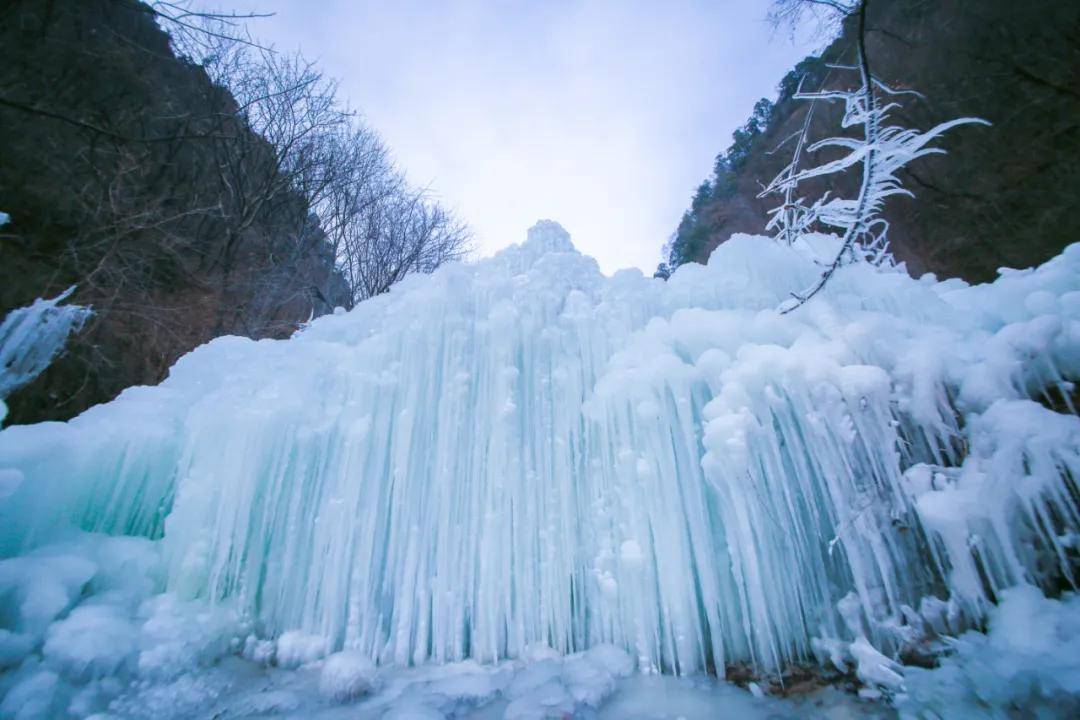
[{"x": 1004, "y": 195}]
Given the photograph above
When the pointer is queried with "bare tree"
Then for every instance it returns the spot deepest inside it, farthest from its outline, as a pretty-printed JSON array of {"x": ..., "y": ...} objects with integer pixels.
[
  {"x": 193, "y": 32},
  {"x": 826, "y": 14},
  {"x": 192, "y": 28},
  {"x": 403, "y": 233},
  {"x": 357, "y": 209},
  {"x": 366, "y": 182},
  {"x": 275, "y": 161}
]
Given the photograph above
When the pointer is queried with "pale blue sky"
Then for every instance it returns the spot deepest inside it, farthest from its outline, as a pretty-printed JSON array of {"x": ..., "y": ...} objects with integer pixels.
[{"x": 600, "y": 114}]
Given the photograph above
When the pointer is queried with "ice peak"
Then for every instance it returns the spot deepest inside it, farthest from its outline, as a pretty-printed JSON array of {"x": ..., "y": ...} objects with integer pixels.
[{"x": 549, "y": 236}]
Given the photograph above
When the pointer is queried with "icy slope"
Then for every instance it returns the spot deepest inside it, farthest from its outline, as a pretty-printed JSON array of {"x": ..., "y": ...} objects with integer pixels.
[{"x": 524, "y": 451}]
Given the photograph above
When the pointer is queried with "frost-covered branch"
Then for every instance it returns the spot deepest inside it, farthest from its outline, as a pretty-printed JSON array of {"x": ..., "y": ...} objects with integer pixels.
[
  {"x": 792, "y": 217},
  {"x": 881, "y": 151}
]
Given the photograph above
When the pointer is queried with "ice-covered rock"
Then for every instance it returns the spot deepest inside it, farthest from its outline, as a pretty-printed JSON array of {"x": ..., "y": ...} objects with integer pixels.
[
  {"x": 295, "y": 648},
  {"x": 1027, "y": 660},
  {"x": 93, "y": 641},
  {"x": 346, "y": 675}
]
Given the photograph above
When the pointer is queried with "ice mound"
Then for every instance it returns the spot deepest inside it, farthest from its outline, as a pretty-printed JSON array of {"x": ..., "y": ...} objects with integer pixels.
[
  {"x": 524, "y": 453},
  {"x": 548, "y": 236},
  {"x": 347, "y": 675},
  {"x": 86, "y": 619}
]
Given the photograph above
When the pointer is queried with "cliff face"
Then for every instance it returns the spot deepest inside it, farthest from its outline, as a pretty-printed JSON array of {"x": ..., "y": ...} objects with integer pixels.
[
  {"x": 1004, "y": 195},
  {"x": 109, "y": 155}
]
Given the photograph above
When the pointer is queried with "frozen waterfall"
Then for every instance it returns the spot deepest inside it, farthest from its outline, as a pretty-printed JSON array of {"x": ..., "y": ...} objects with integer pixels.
[{"x": 523, "y": 452}]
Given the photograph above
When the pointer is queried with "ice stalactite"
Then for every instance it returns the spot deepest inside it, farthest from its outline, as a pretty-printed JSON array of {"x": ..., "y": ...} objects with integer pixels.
[{"x": 524, "y": 452}]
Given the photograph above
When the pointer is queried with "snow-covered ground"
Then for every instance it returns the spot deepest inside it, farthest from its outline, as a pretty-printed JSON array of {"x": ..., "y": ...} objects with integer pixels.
[{"x": 520, "y": 488}]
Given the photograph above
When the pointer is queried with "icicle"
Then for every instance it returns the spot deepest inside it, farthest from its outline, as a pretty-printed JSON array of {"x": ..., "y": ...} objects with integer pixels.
[{"x": 522, "y": 453}]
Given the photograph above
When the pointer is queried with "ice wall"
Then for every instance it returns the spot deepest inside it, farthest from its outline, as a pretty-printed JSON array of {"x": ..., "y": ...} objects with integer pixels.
[{"x": 523, "y": 451}]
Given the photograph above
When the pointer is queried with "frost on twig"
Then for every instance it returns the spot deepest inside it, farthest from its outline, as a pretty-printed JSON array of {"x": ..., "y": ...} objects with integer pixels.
[
  {"x": 792, "y": 218},
  {"x": 881, "y": 152}
]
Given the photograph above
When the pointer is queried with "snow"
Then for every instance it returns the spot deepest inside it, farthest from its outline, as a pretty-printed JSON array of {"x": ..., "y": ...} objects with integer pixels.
[{"x": 521, "y": 488}]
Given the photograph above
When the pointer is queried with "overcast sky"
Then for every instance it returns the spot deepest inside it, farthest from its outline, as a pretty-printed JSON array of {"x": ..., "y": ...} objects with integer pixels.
[{"x": 603, "y": 115}]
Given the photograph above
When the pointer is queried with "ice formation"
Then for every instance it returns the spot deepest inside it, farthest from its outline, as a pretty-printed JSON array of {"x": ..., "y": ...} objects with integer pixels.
[
  {"x": 523, "y": 453},
  {"x": 1028, "y": 660},
  {"x": 30, "y": 337}
]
